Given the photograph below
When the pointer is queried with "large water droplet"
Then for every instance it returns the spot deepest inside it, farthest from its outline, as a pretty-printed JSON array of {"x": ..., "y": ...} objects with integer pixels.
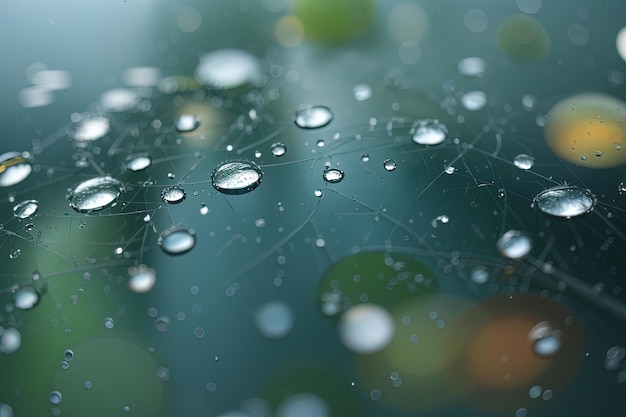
[
  {"x": 278, "y": 149},
  {"x": 177, "y": 240},
  {"x": 312, "y": 117},
  {"x": 10, "y": 340},
  {"x": 227, "y": 68},
  {"x": 187, "y": 123},
  {"x": 236, "y": 177},
  {"x": 91, "y": 128},
  {"x": 523, "y": 161},
  {"x": 25, "y": 209},
  {"x": 95, "y": 194},
  {"x": 173, "y": 195},
  {"x": 25, "y": 297},
  {"x": 429, "y": 132},
  {"x": 142, "y": 278},
  {"x": 14, "y": 168},
  {"x": 136, "y": 163},
  {"x": 332, "y": 175},
  {"x": 514, "y": 244},
  {"x": 565, "y": 202}
]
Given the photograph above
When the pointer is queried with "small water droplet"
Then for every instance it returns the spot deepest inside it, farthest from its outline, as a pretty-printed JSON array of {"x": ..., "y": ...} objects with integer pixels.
[
  {"x": 390, "y": 165},
  {"x": 333, "y": 175},
  {"x": 365, "y": 157},
  {"x": 14, "y": 168},
  {"x": 26, "y": 297},
  {"x": 171, "y": 175},
  {"x": 187, "y": 123},
  {"x": 583, "y": 158},
  {"x": 10, "y": 340},
  {"x": 204, "y": 210},
  {"x": 523, "y": 161},
  {"x": 68, "y": 355},
  {"x": 565, "y": 202},
  {"x": 177, "y": 240},
  {"x": 318, "y": 192},
  {"x": 278, "y": 149},
  {"x": 236, "y": 177},
  {"x": 227, "y": 68},
  {"x": 474, "y": 100},
  {"x": 362, "y": 92},
  {"x": 479, "y": 275},
  {"x": 109, "y": 323},
  {"x": 55, "y": 397},
  {"x": 501, "y": 193},
  {"x": 141, "y": 278},
  {"x": 320, "y": 143},
  {"x": 25, "y": 209},
  {"x": 313, "y": 117},
  {"x": 15, "y": 253},
  {"x": 514, "y": 244},
  {"x": 546, "y": 340},
  {"x": 173, "y": 195},
  {"x": 621, "y": 187},
  {"x": 450, "y": 169},
  {"x": 138, "y": 162},
  {"x": 95, "y": 194},
  {"x": 90, "y": 128},
  {"x": 429, "y": 132}
]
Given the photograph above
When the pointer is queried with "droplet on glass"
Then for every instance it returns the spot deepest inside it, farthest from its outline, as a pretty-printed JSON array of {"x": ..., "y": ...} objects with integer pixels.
[
  {"x": 318, "y": 192},
  {"x": 25, "y": 209},
  {"x": 187, "y": 123},
  {"x": 68, "y": 355},
  {"x": 55, "y": 397},
  {"x": 366, "y": 328},
  {"x": 474, "y": 100},
  {"x": 523, "y": 161},
  {"x": 479, "y": 275},
  {"x": 173, "y": 195},
  {"x": 320, "y": 143},
  {"x": 546, "y": 340},
  {"x": 141, "y": 278},
  {"x": 565, "y": 202},
  {"x": 362, "y": 92},
  {"x": 429, "y": 132},
  {"x": 472, "y": 67},
  {"x": 204, "y": 210},
  {"x": 365, "y": 157},
  {"x": 274, "y": 320},
  {"x": 621, "y": 187},
  {"x": 514, "y": 244},
  {"x": 91, "y": 128},
  {"x": 95, "y": 194},
  {"x": 120, "y": 99},
  {"x": 14, "y": 168},
  {"x": 109, "y": 323},
  {"x": 332, "y": 175},
  {"x": 313, "y": 117},
  {"x": 177, "y": 240},
  {"x": 390, "y": 165},
  {"x": 10, "y": 340},
  {"x": 236, "y": 177},
  {"x": 227, "y": 68},
  {"x": 136, "y": 163},
  {"x": 25, "y": 297},
  {"x": 278, "y": 149}
]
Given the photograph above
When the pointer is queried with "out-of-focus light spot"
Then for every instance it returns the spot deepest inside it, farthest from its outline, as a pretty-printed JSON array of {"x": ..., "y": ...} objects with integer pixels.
[
  {"x": 620, "y": 42},
  {"x": 10, "y": 340},
  {"x": 578, "y": 35},
  {"x": 303, "y": 405},
  {"x": 366, "y": 328},
  {"x": 141, "y": 278},
  {"x": 141, "y": 76},
  {"x": 31, "y": 97},
  {"x": 588, "y": 130},
  {"x": 119, "y": 99},
  {"x": 6, "y": 410},
  {"x": 474, "y": 100},
  {"x": 407, "y": 22},
  {"x": 362, "y": 92},
  {"x": 227, "y": 68},
  {"x": 91, "y": 128},
  {"x": 409, "y": 52},
  {"x": 274, "y": 5},
  {"x": 334, "y": 21},
  {"x": 52, "y": 79},
  {"x": 523, "y": 39},
  {"x": 472, "y": 67},
  {"x": 514, "y": 244},
  {"x": 274, "y": 320},
  {"x": 528, "y": 6},
  {"x": 475, "y": 20},
  {"x": 289, "y": 31},
  {"x": 189, "y": 19}
]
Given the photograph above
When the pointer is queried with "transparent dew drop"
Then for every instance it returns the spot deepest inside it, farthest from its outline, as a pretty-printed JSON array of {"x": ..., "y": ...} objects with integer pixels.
[
  {"x": 313, "y": 117},
  {"x": 95, "y": 194},
  {"x": 514, "y": 244},
  {"x": 10, "y": 340},
  {"x": 278, "y": 149},
  {"x": 565, "y": 202},
  {"x": 429, "y": 132},
  {"x": 68, "y": 355},
  {"x": 332, "y": 175},
  {"x": 204, "y": 210},
  {"x": 141, "y": 278},
  {"x": 362, "y": 92},
  {"x": 274, "y": 320},
  {"x": 109, "y": 323},
  {"x": 236, "y": 177},
  {"x": 138, "y": 162},
  {"x": 546, "y": 340},
  {"x": 177, "y": 240},
  {"x": 523, "y": 161},
  {"x": 25, "y": 209},
  {"x": 91, "y": 128},
  {"x": 55, "y": 397},
  {"x": 14, "y": 168},
  {"x": 621, "y": 187},
  {"x": 365, "y": 157},
  {"x": 390, "y": 165},
  {"x": 449, "y": 169},
  {"x": 474, "y": 100},
  {"x": 318, "y": 192},
  {"x": 320, "y": 143},
  {"x": 187, "y": 123},
  {"x": 26, "y": 297},
  {"x": 173, "y": 195}
]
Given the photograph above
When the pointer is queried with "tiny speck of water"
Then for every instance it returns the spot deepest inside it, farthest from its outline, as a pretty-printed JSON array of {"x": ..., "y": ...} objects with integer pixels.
[
  {"x": 333, "y": 175},
  {"x": 390, "y": 165},
  {"x": 204, "y": 210},
  {"x": 136, "y": 163},
  {"x": 109, "y": 323},
  {"x": 320, "y": 143}
]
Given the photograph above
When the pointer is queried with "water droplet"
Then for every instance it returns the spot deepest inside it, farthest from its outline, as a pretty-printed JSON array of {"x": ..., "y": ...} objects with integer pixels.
[
  {"x": 501, "y": 193},
  {"x": 141, "y": 278},
  {"x": 320, "y": 143},
  {"x": 313, "y": 117},
  {"x": 546, "y": 340},
  {"x": 390, "y": 165},
  {"x": 55, "y": 397},
  {"x": 274, "y": 320},
  {"x": 177, "y": 240},
  {"x": 171, "y": 175},
  {"x": 14, "y": 168},
  {"x": 474, "y": 100},
  {"x": 26, "y": 297},
  {"x": 15, "y": 253},
  {"x": 523, "y": 161},
  {"x": 109, "y": 323},
  {"x": 65, "y": 365},
  {"x": 362, "y": 92},
  {"x": 95, "y": 194},
  {"x": 187, "y": 123},
  {"x": 68, "y": 355},
  {"x": 204, "y": 210},
  {"x": 429, "y": 132},
  {"x": 514, "y": 244},
  {"x": 450, "y": 169},
  {"x": 332, "y": 175},
  {"x": 227, "y": 68},
  {"x": 10, "y": 340},
  {"x": 236, "y": 177},
  {"x": 136, "y": 163},
  {"x": 366, "y": 328},
  {"x": 278, "y": 149},
  {"x": 365, "y": 157},
  {"x": 318, "y": 192},
  {"x": 529, "y": 102},
  {"x": 472, "y": 67},
  {"x": 621, "y": 187},
  {"x": 91, "y": 128},
  {"x": 25, "y": 209},
  {"x": 565, "y": 202},
  {"x": 479, "y": 275},
  {"x": 173, "y": 195}
]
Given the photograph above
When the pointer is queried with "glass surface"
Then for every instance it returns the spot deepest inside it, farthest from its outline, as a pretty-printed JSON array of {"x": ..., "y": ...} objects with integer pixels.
[{"x": 313, "y": 208}]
